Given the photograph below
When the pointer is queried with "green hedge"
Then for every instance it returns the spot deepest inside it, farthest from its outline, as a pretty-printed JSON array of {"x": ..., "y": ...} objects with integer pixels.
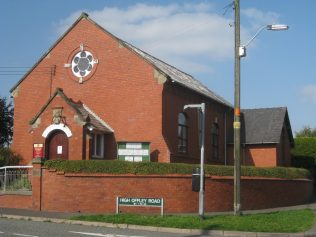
[{"x": 145, "y": 168}]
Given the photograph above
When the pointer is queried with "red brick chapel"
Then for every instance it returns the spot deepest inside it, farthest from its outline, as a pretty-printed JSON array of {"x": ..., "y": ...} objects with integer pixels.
[{"x": 103, "y": 98}]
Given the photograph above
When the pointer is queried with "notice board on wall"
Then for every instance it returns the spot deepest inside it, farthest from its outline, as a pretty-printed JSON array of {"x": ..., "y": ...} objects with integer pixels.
[
  {"x": 133, "y": 151},
  {"x": 38, "y": 150}
]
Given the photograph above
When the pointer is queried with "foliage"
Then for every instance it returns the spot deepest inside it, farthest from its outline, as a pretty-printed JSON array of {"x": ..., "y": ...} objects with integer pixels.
[
  {"x": 304, "y": 154},
  {"x": 306, "y": 162},
  {"x": 23, "y": 183},
  {"x": 285, "y": 221},
  {"x": 305, "y": 146},
  {"x": 148, "y": 168},
  {"x": 8, "y": 157},
  {"x": 306, "y": 132},
  {"x": 6, "y": 122}
]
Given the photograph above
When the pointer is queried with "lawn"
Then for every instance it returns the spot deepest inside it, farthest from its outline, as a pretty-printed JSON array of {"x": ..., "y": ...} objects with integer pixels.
[{"x": 284, "y": 221}]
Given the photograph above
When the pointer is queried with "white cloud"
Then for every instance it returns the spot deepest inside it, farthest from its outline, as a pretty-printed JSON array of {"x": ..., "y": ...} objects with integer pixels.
[
  {"x": 259, "y": 18},
  {"x": 188, "y": 36},
  {"x": 309, "y": 92}
]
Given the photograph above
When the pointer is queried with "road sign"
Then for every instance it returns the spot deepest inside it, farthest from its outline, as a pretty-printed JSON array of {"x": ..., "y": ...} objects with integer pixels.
[{"x": 139, "y": 201}]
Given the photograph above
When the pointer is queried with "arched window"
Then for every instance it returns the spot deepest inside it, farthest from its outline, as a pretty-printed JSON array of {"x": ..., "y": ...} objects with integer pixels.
[
  {"x": 215, "y": 141},
  {"x": 182, "y": 133}
]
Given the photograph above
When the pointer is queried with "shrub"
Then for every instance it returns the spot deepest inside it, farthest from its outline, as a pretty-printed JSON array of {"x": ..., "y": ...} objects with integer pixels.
[
  {"x": 305, "y": 146},
  {"x": 304, "y": 154},
  {"x": 147, "y": 168},
  {"x": 306, "y": 162},
  {"x": 8, "y": 157}
]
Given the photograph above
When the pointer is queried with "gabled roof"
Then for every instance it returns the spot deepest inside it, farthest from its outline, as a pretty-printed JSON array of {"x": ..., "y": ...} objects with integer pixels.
[
  {"x": 171, "y": 72},
  {"x": 85, "y": 114},
  {"x": 178, "y": 76},
  {"x": 265, "y": 125}
]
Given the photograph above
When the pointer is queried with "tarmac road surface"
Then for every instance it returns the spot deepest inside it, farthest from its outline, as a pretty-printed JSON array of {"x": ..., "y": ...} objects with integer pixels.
[{"x": 24, "y": 228}]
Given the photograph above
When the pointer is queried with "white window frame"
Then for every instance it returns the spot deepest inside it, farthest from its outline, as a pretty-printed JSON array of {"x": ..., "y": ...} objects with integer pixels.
[{"x": 94, "y": 146}]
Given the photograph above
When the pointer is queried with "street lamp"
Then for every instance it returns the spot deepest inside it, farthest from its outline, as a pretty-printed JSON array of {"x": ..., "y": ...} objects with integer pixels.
[
  {"x": 275, "y": 27},
  {"x": 240, "y": 51},
  {"x": 201, "y": 108}
]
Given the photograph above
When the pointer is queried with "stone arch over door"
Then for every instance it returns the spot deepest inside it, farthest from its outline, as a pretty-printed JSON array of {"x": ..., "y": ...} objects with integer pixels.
[{"x": 57, "y": 145}]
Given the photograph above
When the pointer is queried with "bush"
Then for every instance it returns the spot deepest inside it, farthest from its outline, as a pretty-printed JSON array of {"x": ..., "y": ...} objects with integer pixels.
[
  {"x": 306, "y": 162},
  {"x": 304, "y": 154},
  {"x": 151, "y": 168},
  {"x": 8, "y": 157},
  {"x": 305, "y": 147}
]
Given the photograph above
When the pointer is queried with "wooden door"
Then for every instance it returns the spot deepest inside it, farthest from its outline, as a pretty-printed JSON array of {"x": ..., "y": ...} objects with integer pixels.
[{"x": 57, "y": 145}]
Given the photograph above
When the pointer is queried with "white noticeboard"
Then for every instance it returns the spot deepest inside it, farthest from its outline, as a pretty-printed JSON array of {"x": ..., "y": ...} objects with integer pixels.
[
  {"x": 59, "y": 150},
  {"x": 133, "y": 151}
]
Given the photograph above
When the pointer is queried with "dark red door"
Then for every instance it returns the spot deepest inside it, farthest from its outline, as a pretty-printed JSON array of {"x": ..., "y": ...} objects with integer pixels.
[{"x": 57, "y": 145}]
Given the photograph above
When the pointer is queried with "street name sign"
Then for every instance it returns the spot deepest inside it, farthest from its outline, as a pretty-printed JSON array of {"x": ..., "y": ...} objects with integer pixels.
[{"x": 139, "y": 201}]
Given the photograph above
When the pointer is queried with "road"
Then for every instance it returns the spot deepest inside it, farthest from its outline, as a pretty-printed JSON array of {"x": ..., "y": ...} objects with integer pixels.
[{"x": 23, "y": 228}]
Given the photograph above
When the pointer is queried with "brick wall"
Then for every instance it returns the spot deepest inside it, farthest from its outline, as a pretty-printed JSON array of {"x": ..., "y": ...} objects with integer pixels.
[
  {"x": 126, "y": 93},
  {"x": 75, "y": 141},
  {"x": 261, "y": 155},
  {"x": 284, "y": 149},
  {"x": 16, "y": 201},
  {"x": 122, "y": 91},
  {"x": 174, "y": 99},
  {"x": 96, "y": 193}
]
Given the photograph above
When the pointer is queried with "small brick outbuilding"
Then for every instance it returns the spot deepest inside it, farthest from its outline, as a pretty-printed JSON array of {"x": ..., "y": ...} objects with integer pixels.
[
  {"x": 266, "y": 137},
  {"x": 95, "y": 96}
]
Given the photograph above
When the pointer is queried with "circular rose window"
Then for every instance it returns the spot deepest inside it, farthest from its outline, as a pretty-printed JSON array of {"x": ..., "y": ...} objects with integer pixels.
[{"x": 82, "y": 64}]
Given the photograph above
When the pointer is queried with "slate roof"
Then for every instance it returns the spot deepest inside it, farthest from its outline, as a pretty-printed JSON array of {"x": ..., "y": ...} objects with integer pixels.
[
  {"x": 82, "y": 110},
  {"x": 265, "y": 125},
  {"x": 93, "y": 119},
  {"x": 171, "y": 72},
  {"x": 178, "y": 76}
]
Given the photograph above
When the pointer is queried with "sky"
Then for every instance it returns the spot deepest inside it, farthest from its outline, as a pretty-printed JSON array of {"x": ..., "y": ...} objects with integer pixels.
[{"x": 196, "y": 36}]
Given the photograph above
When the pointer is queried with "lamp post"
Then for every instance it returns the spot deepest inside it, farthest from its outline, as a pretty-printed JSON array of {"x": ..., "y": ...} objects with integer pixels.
[
  {"x": 277, "y": 27},
  {"x": 201, "y": 108},
  {"x": 240, "y": 51}
]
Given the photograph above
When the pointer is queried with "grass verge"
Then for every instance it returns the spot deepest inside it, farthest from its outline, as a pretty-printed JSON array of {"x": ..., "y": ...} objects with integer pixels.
[{"x": 284, "y": 221}]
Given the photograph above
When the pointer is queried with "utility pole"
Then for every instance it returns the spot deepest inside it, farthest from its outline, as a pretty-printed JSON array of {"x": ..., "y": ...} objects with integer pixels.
[
  {"x": 240, "y": 51},
  {"x": 237, "y": 205}
]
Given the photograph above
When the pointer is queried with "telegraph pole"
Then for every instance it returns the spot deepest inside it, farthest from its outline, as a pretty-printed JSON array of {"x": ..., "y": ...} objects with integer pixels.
[{"x": 237, "y": 205}]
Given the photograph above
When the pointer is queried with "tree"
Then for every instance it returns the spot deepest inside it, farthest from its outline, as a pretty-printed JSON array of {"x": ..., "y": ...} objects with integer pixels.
[
  {"x": 307, "y": 131},
  {"x": 6, "y": 122}
]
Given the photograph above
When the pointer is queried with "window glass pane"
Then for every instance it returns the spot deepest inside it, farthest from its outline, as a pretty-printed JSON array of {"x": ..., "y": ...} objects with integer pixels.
[
  {"x": 215, "y": 141},
  {"x": 182, "y": 133},
  {"x": 179, "y": 131},
  {"x": 97, "y": 145},
  {"x": 182, "y": 119}
]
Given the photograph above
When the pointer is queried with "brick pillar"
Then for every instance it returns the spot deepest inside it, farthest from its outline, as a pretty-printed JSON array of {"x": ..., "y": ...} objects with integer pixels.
[{"x": 36, "y": 183}]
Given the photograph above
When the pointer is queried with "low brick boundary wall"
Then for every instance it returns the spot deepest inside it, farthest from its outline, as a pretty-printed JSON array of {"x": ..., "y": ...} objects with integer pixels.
[
  {"x": 20, "y": 201},
  {"x": 96, "y": 193}
]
